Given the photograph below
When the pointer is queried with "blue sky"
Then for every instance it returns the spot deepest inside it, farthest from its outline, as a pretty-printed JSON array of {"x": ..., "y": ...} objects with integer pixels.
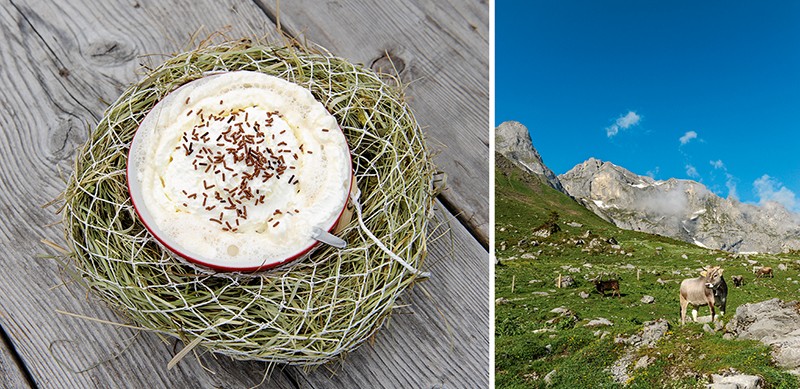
[{"x": 703, "y": 90}]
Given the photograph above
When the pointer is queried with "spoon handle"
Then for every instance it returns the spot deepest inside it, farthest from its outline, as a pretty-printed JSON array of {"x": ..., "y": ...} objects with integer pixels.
[{"x": 328, "y": 238}]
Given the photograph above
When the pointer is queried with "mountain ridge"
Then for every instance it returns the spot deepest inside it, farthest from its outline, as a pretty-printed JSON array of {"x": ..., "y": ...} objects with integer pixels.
[
  {"x": 682, "y": 209},
  {"x": 513, "y": 141}
]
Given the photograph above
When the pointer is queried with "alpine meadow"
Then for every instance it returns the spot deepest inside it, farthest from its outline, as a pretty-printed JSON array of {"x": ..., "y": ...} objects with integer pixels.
[{"x": 582, "y": 302}]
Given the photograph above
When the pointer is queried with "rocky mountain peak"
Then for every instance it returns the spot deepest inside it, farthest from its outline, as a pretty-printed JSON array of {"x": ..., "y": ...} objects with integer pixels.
[
  {"x": 513, "y": 140},
  {"x": 682, "y": 209}
]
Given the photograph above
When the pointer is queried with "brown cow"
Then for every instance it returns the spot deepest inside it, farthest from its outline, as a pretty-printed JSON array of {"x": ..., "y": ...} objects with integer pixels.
[
  {"x": 764, "y": 271},
  {"x": 701, "y": 290},
  {"x": 603, "y": 286},
  {"x": 738, "y": 281}
]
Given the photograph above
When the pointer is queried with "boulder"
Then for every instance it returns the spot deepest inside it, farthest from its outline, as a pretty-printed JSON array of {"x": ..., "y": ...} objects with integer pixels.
[
  {"x": 547, "y": 230},
  {"x": 600, "y": 321},
  {"x": 575, "y": 225},
  {"x": 653, "y": 331},
  {"x": 565, "y": 318},
  {"x": 648, "y": 299},
  {"x": 548, "y": 379},
  {"x": 501, "y": 301},
  {"x": 738, "y": 381},
  {"x": 566, "y": 281},
  {"x": 648, "y": 337},
  {"x": 772, "y": 322}
]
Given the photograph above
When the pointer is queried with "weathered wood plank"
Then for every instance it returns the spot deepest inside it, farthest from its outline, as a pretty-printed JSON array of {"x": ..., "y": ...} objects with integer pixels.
[
  {"x": 12, "y": 374},
  {"x": 442, "y": 49},
  {"x": 442, "y": 339},
  {"x": 59, "y": 64}
]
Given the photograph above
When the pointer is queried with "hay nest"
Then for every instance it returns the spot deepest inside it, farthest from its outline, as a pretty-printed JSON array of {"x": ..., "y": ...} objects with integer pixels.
[{"x": 306, "y": 313}]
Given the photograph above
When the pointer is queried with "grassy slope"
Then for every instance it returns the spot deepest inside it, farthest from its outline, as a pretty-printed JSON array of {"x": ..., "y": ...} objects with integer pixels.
[{"x": 685, "y": 358}]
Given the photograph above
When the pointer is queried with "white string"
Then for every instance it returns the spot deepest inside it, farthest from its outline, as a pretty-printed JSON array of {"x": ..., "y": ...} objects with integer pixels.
[{"x": 354, "y": 197}]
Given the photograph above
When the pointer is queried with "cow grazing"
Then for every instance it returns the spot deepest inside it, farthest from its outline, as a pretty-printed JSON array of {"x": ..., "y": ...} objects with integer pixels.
[
  {"x": 764, "y": 271},
  {"x": 603, "y": 286},
  {"x": 738, "y": 281},
  {"x": 708, "y": 289}
]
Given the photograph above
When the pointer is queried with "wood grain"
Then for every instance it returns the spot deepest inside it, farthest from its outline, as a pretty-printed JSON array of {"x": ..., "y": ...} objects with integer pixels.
[
  {"x": 60, "y": 65},
  {"x": 12, "y": 370},
  {"x": 444, "y": 331},
  {"x": 442, "y": 49}
]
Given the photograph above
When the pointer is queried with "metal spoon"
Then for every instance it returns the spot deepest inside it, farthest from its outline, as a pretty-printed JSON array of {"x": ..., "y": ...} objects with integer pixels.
[{"x": 328, "y": 238}]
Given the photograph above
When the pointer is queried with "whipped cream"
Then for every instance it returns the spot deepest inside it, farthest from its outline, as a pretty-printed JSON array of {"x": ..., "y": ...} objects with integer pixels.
[{"x": 237, "y": 169}]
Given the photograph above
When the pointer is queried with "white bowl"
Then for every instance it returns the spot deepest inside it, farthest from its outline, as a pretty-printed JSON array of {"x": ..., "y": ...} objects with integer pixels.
[{"x": 158, "y": 154}]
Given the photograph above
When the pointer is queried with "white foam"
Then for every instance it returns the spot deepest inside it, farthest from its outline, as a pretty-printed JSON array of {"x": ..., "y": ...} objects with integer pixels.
[{"x": 320, "y": 174}]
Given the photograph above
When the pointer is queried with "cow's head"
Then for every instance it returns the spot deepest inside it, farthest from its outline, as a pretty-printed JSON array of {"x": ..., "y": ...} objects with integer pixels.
[{"x": 712, "y": 276}]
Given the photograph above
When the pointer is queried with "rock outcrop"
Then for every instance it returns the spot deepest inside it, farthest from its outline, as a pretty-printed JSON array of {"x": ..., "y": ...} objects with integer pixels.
[
  {"x": 735, "y": 381},
  {"x": 513, "y": 141},
  {"x": 651, "y": 333},
  {"x": 772, "y": 322}
]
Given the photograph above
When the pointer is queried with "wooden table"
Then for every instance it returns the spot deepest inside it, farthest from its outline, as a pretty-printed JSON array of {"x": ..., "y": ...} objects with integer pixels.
[{"x": 61, "y": 66}]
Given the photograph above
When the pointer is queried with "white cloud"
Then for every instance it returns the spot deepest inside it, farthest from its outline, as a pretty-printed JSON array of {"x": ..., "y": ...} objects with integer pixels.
[
  {"x": 622, "y": 123},
  {"x": 672, "y": 203},
  {"x": 769, "y": 190},
  {"x": 731, "y": 182},
  {"x": 652, "y": 173},
  {"x": 687, "y": 137},
  {"x": 691, "y": 171}
]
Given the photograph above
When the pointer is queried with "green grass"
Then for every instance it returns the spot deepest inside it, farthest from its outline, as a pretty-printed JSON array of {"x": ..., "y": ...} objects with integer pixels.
[{"x": 685, "y": 358}]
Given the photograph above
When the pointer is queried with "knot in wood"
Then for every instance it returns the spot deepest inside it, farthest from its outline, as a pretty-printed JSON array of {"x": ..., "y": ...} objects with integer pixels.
[
  {"x": 110, "y": 52},
  {"x": 389, "y": 63}
]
